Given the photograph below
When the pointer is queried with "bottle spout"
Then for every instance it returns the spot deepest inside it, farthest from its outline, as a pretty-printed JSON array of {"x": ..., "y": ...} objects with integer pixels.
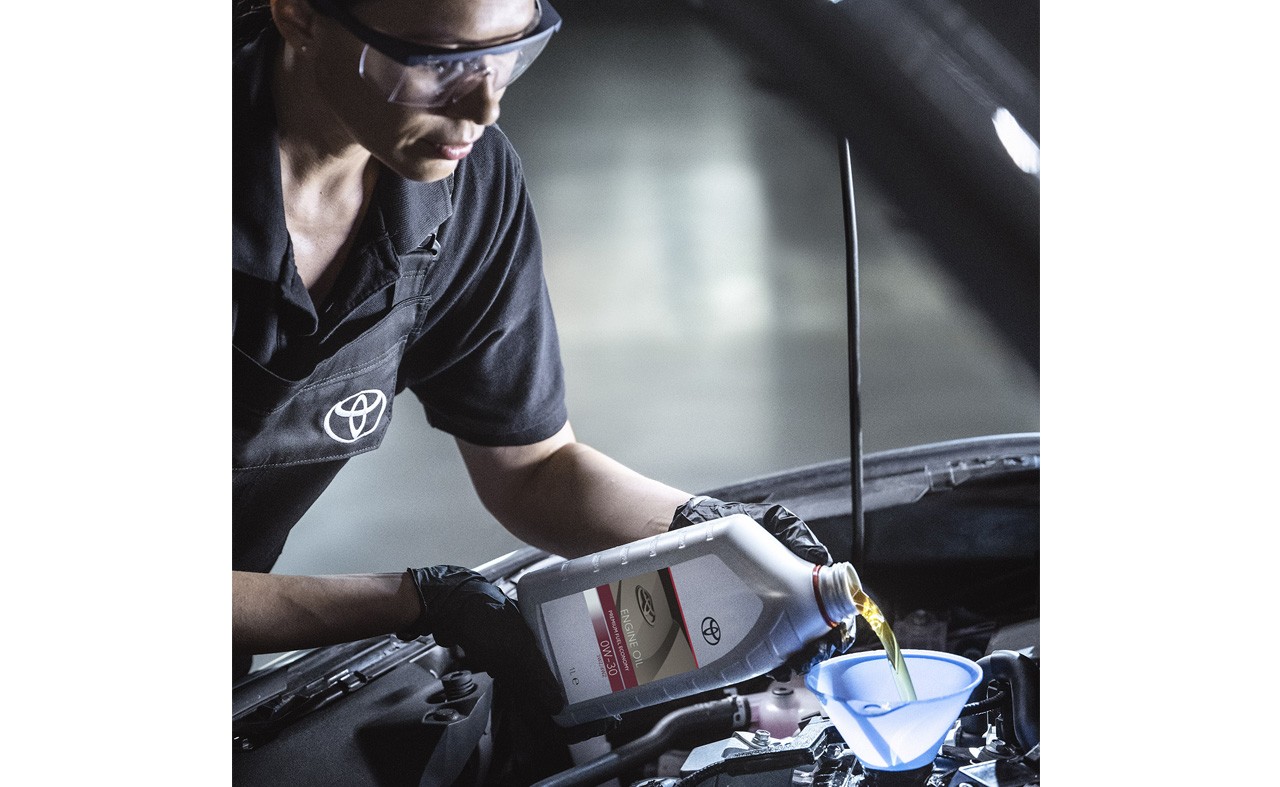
[{"x": 836, "y": 587}]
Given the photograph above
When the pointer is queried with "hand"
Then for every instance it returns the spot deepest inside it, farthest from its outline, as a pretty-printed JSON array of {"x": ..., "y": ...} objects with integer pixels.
[
  {"x": 835, "y": 642},
  {"x": 460, "y": 607},
  {"x": 784, "y": 525}
]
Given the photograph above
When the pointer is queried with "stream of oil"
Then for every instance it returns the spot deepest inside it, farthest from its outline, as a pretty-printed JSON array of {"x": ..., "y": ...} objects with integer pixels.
[{"x": 872, "y": 614}]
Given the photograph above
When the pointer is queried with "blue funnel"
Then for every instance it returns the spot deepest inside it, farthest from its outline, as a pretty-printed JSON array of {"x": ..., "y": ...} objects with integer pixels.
[{"x": 858, "y": 693}]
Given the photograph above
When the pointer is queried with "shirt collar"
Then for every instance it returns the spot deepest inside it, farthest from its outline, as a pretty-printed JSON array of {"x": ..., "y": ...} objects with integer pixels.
[
  {"x": 260, "y": 240},
  {"x": 409, "y": 211},
  {"x": 412, "y": 211}
]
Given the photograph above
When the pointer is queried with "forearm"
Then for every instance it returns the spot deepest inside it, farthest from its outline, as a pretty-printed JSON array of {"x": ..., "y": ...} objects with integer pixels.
[
  {"x": 274, "y": 612},
  {"x": 582, "y": 501},
  {"x": 574, "y": 500}
]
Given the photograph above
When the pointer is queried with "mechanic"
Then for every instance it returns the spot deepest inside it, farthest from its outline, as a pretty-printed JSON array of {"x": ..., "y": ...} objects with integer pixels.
[{"x": 384, "y": 240}]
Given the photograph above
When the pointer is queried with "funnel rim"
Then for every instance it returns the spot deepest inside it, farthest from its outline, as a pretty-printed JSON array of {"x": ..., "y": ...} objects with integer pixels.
[{"x": 975, "y": 670}]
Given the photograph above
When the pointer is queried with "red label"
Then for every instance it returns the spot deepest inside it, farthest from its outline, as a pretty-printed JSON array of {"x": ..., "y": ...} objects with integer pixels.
[{"x": 613, "y": 646}]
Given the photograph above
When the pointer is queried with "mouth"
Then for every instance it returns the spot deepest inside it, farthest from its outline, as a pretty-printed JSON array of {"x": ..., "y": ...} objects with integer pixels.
[
  {"x": 450, "y": 150},
  {"x": 454, "y": 151}
]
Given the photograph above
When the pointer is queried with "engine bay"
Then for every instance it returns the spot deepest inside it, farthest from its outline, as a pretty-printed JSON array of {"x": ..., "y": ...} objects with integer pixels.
[
  {"x": 421, "y": 721},
  {"x": 950, "y": 547}
]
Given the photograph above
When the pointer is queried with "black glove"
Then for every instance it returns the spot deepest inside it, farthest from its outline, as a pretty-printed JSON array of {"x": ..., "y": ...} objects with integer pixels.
[
  {"x": 784, "y": 525},
  {"x": 460, "y": 607},
  {"x": 835, "y": 642}
]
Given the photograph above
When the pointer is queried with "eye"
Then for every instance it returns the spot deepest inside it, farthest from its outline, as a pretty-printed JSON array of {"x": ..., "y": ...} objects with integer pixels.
[{"x": 448, "y": 68}]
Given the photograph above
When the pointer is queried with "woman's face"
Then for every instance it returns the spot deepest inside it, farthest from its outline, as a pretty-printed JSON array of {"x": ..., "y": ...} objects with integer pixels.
[{"x": 418, "y": 144}]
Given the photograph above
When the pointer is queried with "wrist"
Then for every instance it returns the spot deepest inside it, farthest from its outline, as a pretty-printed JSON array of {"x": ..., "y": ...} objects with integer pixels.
[
  {"x": 698, "y": 508},
  {"x": 408, "y": 607}
]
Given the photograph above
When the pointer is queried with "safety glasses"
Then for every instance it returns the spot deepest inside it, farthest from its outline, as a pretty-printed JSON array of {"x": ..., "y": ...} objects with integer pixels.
[{"x": 432, "y": 77}]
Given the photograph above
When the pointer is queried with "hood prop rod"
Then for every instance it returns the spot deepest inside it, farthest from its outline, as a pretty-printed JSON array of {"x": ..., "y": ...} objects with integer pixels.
[{"x": 855, "y": 339}]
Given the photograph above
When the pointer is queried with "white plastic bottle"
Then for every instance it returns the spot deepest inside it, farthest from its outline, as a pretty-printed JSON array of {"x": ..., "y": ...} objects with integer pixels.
[{"x": 698, "y": 608}]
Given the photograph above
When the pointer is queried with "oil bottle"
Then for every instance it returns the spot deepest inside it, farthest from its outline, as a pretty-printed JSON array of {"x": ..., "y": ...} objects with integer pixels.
[{"x": 691, "y": 610}]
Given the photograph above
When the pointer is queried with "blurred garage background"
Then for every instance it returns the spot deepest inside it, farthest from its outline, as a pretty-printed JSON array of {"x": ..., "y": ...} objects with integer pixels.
[{"x": 694, "y": 249}]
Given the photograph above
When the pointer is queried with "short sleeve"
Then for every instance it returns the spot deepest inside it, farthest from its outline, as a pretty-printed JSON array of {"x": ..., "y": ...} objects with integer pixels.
[{"x": 486, "y": 364}]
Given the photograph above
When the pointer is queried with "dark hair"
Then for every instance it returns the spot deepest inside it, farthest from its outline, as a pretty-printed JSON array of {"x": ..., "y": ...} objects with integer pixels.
[{"x": 249, "y": 19}]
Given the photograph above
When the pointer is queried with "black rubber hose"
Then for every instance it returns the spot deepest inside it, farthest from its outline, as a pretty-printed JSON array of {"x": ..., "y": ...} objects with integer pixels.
[
  {"x": 717, "y": 714},
  {"x": 1022, "y": 710},
  {"x": 993, "y": 702}
]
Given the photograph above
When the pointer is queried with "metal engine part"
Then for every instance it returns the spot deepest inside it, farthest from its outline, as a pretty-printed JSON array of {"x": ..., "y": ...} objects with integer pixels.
[
  {"x": 817, "y": 756},
  {"x": 994, "y": 743}
]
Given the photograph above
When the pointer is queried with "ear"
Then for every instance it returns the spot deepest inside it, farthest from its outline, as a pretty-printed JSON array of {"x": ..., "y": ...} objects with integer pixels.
[{"x": 295, "y": 19}]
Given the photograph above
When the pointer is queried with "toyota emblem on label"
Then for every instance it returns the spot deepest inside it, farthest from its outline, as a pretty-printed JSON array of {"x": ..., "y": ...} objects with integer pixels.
[
  {"x": 645, "y": 602},
  {"x": 711, "y": 631},
  {"x": 356, "y": 416}
]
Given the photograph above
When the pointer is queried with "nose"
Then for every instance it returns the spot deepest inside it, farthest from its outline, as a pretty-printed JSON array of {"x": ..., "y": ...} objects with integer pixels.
[{"x": 479, "y": 104}]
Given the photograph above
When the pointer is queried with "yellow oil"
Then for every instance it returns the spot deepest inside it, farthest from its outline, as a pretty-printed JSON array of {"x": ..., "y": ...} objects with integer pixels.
[{"x": 875, "y": 618}]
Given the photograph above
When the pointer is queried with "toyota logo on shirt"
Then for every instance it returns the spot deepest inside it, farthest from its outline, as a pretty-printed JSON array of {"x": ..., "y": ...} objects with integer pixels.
[{"x": 356, "y": 416}]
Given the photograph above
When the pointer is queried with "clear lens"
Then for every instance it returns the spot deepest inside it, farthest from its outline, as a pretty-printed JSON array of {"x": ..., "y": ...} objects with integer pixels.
[
  {"x": 397, "y": 83},
  {"x": 438, "y": 83},
  {"x": 517, "y": 65}
]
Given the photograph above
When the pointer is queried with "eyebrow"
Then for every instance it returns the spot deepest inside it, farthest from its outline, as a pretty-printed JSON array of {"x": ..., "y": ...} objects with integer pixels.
[
  {"x": 473, "y": 44},
  {"x": 529, "y": 28},
  {"x": 546, "y": 21}
]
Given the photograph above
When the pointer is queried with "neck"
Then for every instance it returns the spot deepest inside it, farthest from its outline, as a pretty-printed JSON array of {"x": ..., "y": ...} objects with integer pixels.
[
  {"x": 327, "y": 179},
  {"x": 315, "y": 147}
]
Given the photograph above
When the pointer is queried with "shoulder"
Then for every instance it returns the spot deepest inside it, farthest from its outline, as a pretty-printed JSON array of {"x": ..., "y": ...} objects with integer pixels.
[
  {"x": 491, "y": 179},
  {"x": 251, "y": 78},
  {"x": 493, "y": 159}
]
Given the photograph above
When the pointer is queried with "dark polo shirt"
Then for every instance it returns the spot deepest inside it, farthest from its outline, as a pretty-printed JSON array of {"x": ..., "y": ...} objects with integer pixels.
[{"x": 443, "y": 294}]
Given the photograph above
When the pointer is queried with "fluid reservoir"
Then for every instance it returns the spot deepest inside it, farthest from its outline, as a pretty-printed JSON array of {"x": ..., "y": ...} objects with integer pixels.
[{"x": 691, "y": 610}]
